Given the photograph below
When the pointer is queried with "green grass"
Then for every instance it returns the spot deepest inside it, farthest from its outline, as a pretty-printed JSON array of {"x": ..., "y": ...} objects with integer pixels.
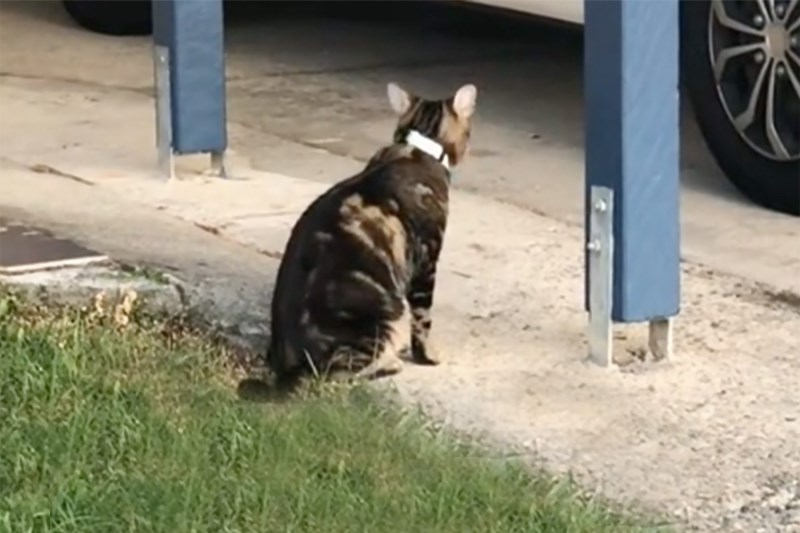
[{"x": 106, "y": 430}]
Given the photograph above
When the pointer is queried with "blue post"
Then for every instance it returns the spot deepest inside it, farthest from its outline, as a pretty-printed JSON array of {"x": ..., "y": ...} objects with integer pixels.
[
  {"x": 189, "y": 44},
  {"x": 632, "y": 148}
]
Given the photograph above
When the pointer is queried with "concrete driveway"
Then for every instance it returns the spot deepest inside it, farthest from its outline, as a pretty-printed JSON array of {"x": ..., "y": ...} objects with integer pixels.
[
  {"x": 710, "y": 440},
  {"x": 314, "y": 76}
]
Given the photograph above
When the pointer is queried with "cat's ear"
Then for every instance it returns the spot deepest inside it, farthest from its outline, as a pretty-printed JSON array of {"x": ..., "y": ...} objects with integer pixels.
[
  {"x": 399, "y": 99},
  {"x": 464, "y": 101}
]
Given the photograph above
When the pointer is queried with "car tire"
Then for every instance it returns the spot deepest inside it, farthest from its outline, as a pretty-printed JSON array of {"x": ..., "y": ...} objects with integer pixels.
[
  {"x": 769, "y": 182},
  {"x": 112, "y": 17}
]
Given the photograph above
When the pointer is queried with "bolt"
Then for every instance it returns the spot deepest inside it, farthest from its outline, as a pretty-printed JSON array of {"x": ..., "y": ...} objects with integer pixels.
[
  {"x": 593, "y": 246},
  {"x": 600, "y": 206},
  {"x": 794, "y": 41},
  {"x": 780, "y": 9},
  {"x": 758, "y": 20},
  {"x": 781, "y": 70},
  {"x": 759, "y": 57}
]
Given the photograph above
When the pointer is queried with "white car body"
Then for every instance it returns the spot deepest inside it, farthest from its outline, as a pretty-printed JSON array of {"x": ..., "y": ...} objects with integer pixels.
[{"x": 566, "y": 10}]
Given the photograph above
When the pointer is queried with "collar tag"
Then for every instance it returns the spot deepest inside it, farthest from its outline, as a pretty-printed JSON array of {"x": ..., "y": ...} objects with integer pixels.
[{"x": 429, "y": 146}]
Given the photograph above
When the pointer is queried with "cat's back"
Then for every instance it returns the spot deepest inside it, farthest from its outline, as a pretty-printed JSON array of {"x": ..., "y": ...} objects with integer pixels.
[
  {"x": 395, "y": 180},
  {"x": 366, "y": 223},
  {"x": 416, "y": 186}
]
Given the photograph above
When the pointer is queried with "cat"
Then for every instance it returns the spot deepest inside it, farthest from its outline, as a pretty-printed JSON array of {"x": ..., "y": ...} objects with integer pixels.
[{"x": 355, "y": 286}]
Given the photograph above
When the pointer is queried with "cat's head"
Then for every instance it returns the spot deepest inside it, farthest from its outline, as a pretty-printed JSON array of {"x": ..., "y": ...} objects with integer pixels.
[{"x": 446, "y": 121}]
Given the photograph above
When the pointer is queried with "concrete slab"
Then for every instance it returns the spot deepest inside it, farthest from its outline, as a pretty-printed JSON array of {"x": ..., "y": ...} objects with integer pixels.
[{"x": 104, "y": 289}]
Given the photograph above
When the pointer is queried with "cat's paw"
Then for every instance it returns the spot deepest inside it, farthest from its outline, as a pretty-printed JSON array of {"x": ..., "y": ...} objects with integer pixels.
[{"x": 425, "y": 353}]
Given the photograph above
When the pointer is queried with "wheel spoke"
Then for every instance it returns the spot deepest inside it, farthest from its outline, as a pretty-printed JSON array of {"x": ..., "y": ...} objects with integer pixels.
[
  {"x": 794, "y": 57},
  {"x": 723, "y": 18},
  {"x": 773, "y": 137},
  {"x": 767, "y": 8},
  {"x": 793, "y": 79},
  {"x": 726, "y": 54},
  {"x": 790, "y": 9},
  {"x": 747, "y": 117}
]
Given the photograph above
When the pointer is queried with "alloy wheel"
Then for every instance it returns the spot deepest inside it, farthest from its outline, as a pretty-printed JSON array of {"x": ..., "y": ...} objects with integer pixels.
[{"x": 754, "y": 48}]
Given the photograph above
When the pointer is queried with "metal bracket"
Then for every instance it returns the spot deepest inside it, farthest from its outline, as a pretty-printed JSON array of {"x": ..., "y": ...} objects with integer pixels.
[
  {"x": 601, "y": 275},
  {"x": 166, "y": 160},
  {"x": 601, "y": 283},
  {"x": 218, "y": 164},
  {"x": 660, "y": 339}
]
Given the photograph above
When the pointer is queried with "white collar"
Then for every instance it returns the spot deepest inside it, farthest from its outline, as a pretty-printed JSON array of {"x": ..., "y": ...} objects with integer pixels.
[{"x": 429, "y": 146}]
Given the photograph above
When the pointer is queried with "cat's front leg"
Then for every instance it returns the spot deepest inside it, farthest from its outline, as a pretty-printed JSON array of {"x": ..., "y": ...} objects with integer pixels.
[{"x": 420, "y": 299}]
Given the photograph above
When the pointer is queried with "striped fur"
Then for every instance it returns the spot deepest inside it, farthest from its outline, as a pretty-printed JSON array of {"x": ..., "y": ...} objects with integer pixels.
[{"x": 355, "y": 288}]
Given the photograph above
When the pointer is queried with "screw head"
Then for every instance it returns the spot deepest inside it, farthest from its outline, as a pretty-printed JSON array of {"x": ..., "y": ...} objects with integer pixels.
[
  {"x": 600, "y": 206},
  {"x": 759, "y": 57},
  {"x": 781, "y": 70},
  {"x": 794, "y": 41},
  {"x": 593, "y": 246},
  {"x": 780, "y": 9},
  {"x": 758, "y": 20}
]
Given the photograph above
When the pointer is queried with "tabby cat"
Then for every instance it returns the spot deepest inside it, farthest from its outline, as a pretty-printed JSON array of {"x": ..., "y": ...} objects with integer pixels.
[{"x": 355, "y": 286}]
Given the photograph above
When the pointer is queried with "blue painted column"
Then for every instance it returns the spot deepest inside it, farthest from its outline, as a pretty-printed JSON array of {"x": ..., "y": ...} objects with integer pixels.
[
  {"x": 632, "y": 154},
  {"x": 190, "y": 77}
]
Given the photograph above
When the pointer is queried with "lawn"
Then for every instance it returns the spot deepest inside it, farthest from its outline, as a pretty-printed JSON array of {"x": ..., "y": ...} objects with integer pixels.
[{"x": 106, "y": 428}]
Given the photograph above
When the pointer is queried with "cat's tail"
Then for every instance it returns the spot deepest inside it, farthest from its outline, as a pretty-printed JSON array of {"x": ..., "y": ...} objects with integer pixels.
[
  {"x": 284, "y": 365},
  {"x": 280, "y": 382}
]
